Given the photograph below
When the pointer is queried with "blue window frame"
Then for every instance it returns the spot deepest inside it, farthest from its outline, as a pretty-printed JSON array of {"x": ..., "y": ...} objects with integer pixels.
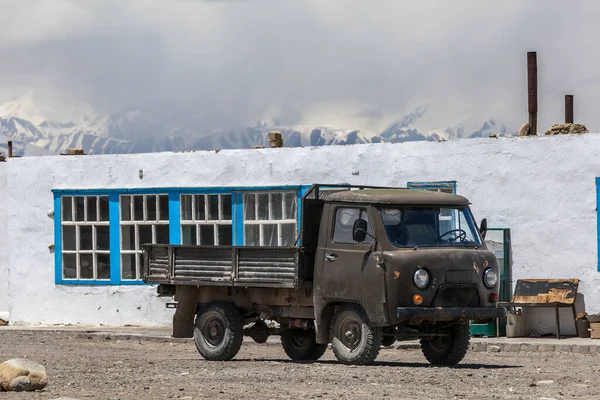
[
  {"x": 440, "y": 186},
  {"x": 91, "y": 222}
]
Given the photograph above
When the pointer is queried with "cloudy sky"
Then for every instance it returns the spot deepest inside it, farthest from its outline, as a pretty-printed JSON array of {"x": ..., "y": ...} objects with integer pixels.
[{"x": 340, "y": 62}]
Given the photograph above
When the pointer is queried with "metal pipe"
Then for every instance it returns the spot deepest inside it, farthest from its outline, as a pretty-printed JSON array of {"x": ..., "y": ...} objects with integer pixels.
[
  {"x": 10, "y": 149},
  {"x": 532, "y": 95},
  {"x": 568, "y": 109}
]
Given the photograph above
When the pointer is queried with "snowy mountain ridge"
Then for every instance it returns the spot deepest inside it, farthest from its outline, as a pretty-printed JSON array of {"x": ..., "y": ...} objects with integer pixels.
[{"x": 135, "y": 131}]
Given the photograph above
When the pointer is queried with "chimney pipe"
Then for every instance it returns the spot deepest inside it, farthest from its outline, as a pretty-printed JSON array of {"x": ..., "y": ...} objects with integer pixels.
[
  {"x": 10, "y": 149},
  {"x": 532, "y": 91},
  {"x": 568, "y": 109}
]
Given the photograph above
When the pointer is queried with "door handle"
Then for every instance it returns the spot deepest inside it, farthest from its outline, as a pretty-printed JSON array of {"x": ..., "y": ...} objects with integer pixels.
[{"x": 330, "y": 257}]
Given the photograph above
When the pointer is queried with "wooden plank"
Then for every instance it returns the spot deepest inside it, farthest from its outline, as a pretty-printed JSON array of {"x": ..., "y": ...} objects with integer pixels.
[{"x": 546, "y": 291}]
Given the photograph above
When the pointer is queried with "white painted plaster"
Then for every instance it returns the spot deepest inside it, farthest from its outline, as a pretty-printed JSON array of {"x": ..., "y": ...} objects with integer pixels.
[
  {"x": 543, "y": 188},
  {"x": 4, "y": 314}
]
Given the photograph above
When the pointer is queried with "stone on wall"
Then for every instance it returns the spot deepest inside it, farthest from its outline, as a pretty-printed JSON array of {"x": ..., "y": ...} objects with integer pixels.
[
  {"x": 525, "y": 130},
  {"x": 565, "y": 129},
  {"x": 275, "y": 139},
  {"x": 74, "y": 152},
  {"x": 19, "y": 375}
]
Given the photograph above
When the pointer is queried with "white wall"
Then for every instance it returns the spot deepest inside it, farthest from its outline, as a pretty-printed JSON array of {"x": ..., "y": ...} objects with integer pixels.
[
  {"x": 543, "y": 188},
  {"x": 4, "y": 314}
]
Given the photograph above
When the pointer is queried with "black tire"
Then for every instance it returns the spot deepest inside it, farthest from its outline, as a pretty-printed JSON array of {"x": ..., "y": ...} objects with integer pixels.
[
  {"x": 388, "y": 341},
  {"x": 353, "y": 340},
  {"x": 219, "y": 331},
  {"x": 300, "y": 345},
  {"x": 447, "y": 350}
]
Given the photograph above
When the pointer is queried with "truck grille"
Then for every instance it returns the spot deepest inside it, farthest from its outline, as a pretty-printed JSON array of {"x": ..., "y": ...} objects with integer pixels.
[{"x": 456, "y": 296}]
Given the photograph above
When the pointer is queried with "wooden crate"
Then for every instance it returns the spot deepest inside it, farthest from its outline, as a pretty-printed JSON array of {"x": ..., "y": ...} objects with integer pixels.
[{"x": 595, "y": 327}]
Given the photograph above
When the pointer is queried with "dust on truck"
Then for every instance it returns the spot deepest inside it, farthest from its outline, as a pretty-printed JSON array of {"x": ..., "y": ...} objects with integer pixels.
[{"x": 371, "y": 266}]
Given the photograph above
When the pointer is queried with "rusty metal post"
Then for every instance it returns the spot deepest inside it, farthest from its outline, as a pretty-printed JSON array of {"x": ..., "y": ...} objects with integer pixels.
[
  {"x": 532, "y": 92},
  {"x": 568, "y": 109},
  {"x": 10, "y": 151}
]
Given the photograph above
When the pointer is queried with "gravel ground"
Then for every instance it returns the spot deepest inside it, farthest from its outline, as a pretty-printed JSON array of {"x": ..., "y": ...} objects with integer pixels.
[{"x": 86, "y": 366}]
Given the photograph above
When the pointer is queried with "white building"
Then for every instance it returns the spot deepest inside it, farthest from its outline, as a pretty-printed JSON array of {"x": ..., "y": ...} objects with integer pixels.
[{"x": 69, "y": 224}]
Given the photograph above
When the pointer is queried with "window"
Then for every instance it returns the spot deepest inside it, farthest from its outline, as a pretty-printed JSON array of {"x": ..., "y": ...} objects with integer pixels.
[
  {"x": 206, "y": 219},
  {"x": 270, "y": 218},
  {"x": 425, "y": 226},
  {"x": 85, "y": 237},
  {"x": 144, "y": 219},
  {"x": 344, "y": 222}
]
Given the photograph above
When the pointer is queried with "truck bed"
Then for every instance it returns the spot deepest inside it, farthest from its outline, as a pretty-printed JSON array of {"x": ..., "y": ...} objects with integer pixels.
[{"x": 279, "y": 267}]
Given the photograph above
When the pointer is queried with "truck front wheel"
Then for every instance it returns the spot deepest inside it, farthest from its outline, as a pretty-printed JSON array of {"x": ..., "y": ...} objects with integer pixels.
[
  {"x": 300, "y": 345},
  {"x": 449, "y": 349},
  {"x": 219, "y": 331},
  {"x": 353, "y": 340}
]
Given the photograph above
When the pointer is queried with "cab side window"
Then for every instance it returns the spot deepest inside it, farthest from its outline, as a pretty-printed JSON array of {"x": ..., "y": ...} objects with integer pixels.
[{"x": 344, "y": 222}]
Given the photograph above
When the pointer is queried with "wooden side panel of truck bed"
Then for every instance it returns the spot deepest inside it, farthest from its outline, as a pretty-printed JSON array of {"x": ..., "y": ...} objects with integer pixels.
[{"x": 278, "y": 267}]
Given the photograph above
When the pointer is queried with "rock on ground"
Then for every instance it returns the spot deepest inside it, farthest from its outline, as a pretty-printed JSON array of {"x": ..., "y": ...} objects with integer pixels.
[
  {"x": 566, "y": 129},
  {"x": 20, "y": 375}
]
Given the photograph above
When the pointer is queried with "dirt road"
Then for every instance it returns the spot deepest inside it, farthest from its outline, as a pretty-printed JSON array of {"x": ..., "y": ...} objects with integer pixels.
[{"x": 99, "y": 367}]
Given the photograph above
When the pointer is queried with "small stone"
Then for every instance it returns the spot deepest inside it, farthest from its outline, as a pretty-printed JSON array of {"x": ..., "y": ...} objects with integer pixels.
[
  {"x": 547, "y": 382},
  {"x": 494, "y": 349},
  {"x": 15, "y": 373}
]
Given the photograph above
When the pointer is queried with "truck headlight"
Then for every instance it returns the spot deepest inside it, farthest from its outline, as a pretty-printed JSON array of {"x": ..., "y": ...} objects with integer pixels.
[
  {"x": 421, "y": 278},
  {"x": 490, "y": 277}
]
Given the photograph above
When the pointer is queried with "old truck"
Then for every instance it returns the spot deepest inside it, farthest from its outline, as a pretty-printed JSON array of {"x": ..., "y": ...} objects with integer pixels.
[{"x": 370, "y": 266}]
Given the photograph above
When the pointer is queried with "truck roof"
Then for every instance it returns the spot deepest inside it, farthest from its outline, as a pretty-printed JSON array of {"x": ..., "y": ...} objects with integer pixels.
[{"x": 413, "y": 197}]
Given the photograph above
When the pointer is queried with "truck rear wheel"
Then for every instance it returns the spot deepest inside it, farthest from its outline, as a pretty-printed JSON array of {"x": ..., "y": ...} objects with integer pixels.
[
  {"x": 300, "y": 345},
  {"x": 353, "y": 340},
  {"x": 447, "y": 350},
  {"x": 219, "y": 331}
]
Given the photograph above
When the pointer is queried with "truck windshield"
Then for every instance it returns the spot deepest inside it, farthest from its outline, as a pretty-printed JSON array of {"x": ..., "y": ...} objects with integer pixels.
[{"x": 430, "y": 226}]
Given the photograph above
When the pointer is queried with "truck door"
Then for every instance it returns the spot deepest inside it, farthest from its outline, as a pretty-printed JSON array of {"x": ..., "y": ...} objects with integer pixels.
[{"x": 350, "y": 273}]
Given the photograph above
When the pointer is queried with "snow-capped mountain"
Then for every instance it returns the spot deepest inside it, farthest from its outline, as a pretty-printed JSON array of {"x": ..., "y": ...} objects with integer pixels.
[{"x": 135, "y": 131}]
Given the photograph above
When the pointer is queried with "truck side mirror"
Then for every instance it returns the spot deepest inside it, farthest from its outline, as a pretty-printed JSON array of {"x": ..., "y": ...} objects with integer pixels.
[
  {"x": 483, "y": 228},
  {"x": 359, "y": 230}
]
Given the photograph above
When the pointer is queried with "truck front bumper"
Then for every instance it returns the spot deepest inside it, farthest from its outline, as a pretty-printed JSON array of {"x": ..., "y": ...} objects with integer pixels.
[{"x": 449, "y": 313}]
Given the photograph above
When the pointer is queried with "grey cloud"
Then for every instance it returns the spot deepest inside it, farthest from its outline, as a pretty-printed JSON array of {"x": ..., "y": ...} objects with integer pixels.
[{"x": 228, "y": 63}]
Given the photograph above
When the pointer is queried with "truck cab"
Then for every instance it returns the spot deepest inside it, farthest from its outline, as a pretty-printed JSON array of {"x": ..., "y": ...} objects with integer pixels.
[{"x": 413, "y": 261}]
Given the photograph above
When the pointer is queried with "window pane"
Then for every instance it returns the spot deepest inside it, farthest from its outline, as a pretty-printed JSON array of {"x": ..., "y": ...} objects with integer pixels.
[
  {"x": 138, "y": 208},
  {"x": 200, "y": 208},
  {"x": 151, "y": 208},
  {"x": 125, "y": 208},
  {"x": 162, "y": 234},
  {"x": 69, "y": 266},
  {"x": 92, "y": 209},
  {"x": 85, "y": 238},
  {"x": 128, "y": 266},
  {"x": 186, "y": 207},
  {"x": 140, "y": 260},
  {"x": 252, "y": 235},
  {"x": 290, "y": 206},
  {"x": 213, "y": 209},
  {"x": 249, "y": 210},
  {"x": 207, "y": 235},
  {"x": 103, "y": 208},
  {"x": 68, "y": 238},
  {"x": 263, "y": 206},
  {"x": 163, "y": 205},
  {"x": 86, "y": 265},
  {"x": 288, "y": 234},
  {"x": 188, "y": 234},
  {"x": 225, "y": 235},
  {"x": 145, "y": 235},
  {"x": 128, "y": 237},
  {"x": 67, "y": 208},
  {"x": 103, "y": 265},
  {"x": 270, "y": 235},
  {"x": 276, "y": 206},
  {"x": 226, "y": 207},
  {"x": 102, "y": 237},
  {"x": 344, "y": 222},
  {"x": 79, "y": 209}
]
